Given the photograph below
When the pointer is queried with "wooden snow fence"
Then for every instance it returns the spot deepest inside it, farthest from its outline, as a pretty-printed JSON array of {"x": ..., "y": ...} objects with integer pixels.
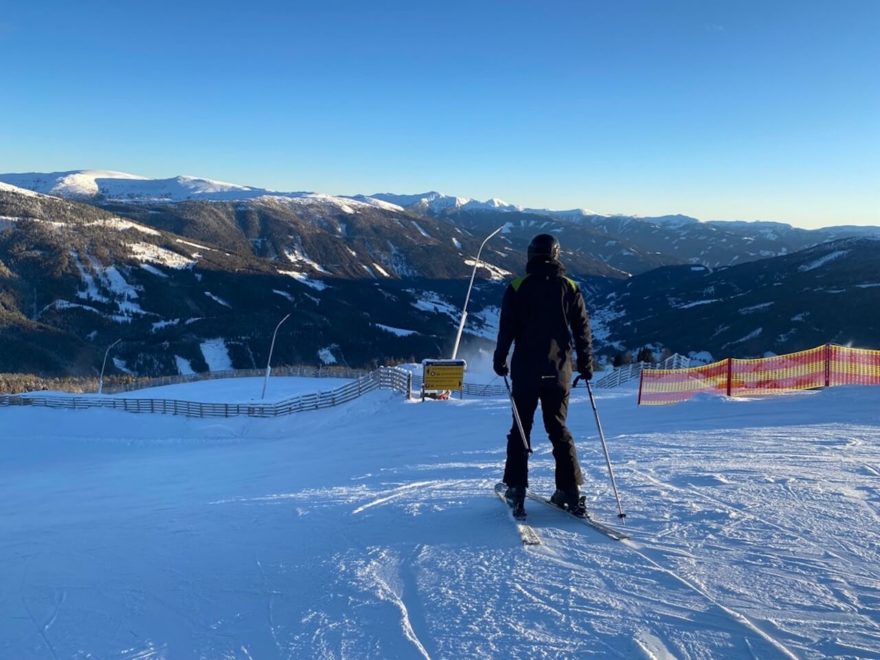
[{"x": 381, "y": 378}]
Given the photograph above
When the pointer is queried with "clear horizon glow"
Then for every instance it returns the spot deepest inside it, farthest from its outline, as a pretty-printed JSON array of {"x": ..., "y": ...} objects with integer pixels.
[{"x": 747, "y": 110}]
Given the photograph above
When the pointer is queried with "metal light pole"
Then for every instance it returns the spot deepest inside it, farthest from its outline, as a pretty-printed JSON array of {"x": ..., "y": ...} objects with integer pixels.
[
  {"x": 104, "y": 364},
  {"x": 471, "y": 286},
  {"x": 269, "y": 361}
]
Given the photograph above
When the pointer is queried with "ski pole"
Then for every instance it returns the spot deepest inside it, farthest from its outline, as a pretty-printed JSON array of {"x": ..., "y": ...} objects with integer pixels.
[
  {"x": 620, "y": 513},
  {"x": 522, "y": 434}
]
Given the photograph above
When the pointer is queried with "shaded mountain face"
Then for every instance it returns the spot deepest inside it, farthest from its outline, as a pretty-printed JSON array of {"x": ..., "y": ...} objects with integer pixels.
[
  {"x": 74, "y": 278},
  {"x": 634, "y": 245},
  {"x": 199, "y": 284},
  {"x": 319, "y": 236},
  {"x": 826, "y": 293},
  {"x": 417, "y": 235}
]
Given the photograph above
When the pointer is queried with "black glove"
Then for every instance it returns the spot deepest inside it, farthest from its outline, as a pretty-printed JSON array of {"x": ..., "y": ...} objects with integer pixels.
[
  {"x": 500, "y": 368},
  {"x": 585, "y": 368}
]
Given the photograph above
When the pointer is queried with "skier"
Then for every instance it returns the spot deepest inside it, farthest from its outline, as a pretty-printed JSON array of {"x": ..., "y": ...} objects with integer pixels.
[{"x": 542, "y": 313}]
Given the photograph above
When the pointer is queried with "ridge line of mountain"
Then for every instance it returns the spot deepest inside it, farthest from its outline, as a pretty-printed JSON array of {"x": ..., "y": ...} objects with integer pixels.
[{"x": 110, "y": 186}]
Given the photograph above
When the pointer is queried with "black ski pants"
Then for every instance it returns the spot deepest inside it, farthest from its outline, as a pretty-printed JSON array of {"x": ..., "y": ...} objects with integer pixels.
[{"x": 554, "y": 408}]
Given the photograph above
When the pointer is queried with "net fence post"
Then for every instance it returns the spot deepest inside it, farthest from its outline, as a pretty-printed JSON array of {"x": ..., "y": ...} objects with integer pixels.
[
  {"x": 729, "y": 376},
  {"x": 828, "y": 365}
]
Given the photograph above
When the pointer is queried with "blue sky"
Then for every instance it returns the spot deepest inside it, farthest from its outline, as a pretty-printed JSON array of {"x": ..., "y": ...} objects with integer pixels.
[{"x": 720, "y": 110}]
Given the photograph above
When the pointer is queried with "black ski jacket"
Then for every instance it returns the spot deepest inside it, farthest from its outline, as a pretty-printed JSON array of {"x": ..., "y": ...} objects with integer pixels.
[{"x": 543, "y": 313}]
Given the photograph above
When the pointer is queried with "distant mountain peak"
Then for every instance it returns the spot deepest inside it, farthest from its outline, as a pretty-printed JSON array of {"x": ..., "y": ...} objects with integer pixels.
[
  {"x": 110, "y": 184},
  {"x": 74, "y": 183},
  {"x": 439, "y": 203}
]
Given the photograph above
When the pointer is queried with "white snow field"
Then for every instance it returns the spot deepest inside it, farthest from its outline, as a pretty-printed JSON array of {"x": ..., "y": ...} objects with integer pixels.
[{"x": 371, "y": 530}]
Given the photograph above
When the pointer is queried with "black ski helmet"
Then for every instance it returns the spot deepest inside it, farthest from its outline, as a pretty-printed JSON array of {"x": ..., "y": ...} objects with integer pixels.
[{"x": 544, "y": 245}]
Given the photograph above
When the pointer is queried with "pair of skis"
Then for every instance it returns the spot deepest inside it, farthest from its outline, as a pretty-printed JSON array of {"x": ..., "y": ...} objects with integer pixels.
[{"x": 530, "y": 537}]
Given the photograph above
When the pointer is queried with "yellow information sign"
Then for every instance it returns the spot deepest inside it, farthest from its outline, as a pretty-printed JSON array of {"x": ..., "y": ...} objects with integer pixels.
[{"x": 442, "y": 375}]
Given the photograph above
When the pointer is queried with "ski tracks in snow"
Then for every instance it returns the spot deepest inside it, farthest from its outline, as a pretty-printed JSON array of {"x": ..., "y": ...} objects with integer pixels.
[
  {"x": 431, "y": 588},
  {"x": 402, "y": 491},
  {"x": 640, "y": 591},
  {"x": 382, "y": 572},
  {"x": 43, "y": 628},
  {"x": 270, "y": 611},
  {"x": 796, "y": 567}
]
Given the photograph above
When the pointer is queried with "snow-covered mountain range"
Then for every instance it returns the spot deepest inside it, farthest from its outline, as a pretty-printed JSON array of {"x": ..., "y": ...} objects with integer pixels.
[
  {"x": 88, "y": 255},
  {"x": 109, "y": 185}
]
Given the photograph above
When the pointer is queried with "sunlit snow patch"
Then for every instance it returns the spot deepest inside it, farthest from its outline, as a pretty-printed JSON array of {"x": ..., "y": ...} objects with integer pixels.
[
  {"x": 696, "y": 303},
  {"x": 120, "y": 364},
  {"x": 121, "y": 224},
  {"x": 159, "y": 255},
  {"x": 195, "y": 245},
  {"x": 64, "y": 304},
  {"x": 821, "y": 261},
  {"x": 91, "y": 292},
  {"x": 428, "y": 301},
  {"x": 298, "y": 256},
  {"x": 488, "y": 326},
  {"x": 302, "y": 278},
  {"x": 153, "y": 270},
  {"x": 158, "y": 325},
  {"x": 326, "y": 356},
  {"x": 752, "y": 335},
  {"x": 400, "y": 332},
  {"x": 495, "y": 273},
  {"x": 5, "y": 187},
  {"x": 217, "y": 299},
  {"x": 216, "y": 354},
  {"x": 755, "y": 308},
  {"x": 420, "y": 230},
  {"x": 184, "y": 366}
]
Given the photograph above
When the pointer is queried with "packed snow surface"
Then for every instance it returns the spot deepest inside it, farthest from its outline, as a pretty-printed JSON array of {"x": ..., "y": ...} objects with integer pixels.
[{"x": 371, "y": 530}]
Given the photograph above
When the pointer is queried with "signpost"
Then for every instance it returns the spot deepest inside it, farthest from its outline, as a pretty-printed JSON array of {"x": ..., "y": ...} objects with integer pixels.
[{"x": 441, "y": 376}]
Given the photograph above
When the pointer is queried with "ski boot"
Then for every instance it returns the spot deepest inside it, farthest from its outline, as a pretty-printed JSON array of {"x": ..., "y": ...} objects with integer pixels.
[
  {"x": 570, "y": 500},
  {"x": 516, "y": 498}
]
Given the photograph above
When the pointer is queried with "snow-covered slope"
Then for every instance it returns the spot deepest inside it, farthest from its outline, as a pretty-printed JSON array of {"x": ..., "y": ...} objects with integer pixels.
[
  {"x": 371, "y": 530},
  {"x": 76, "y": 183},
  {"x": 9, "y": 188}
]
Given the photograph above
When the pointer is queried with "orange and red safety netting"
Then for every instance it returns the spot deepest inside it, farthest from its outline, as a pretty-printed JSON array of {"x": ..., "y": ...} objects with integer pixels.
[{"x": 824, "y": 366}]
